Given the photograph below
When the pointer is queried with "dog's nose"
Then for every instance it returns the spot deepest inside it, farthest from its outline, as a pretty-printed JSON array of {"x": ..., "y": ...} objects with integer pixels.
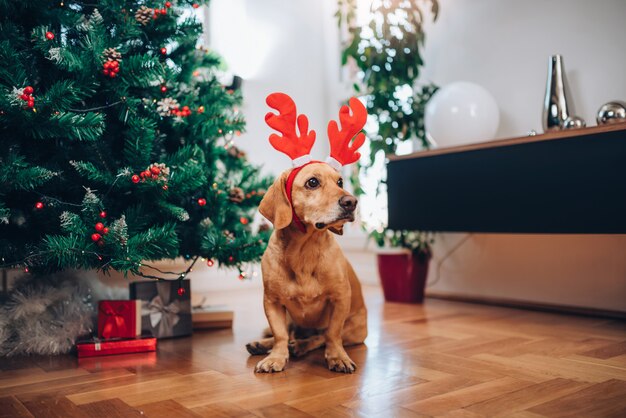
[{"x": 348, "y": 203}]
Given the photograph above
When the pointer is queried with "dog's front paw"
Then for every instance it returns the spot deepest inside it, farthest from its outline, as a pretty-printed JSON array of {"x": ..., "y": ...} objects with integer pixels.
[
  {"x": 271, "y": 364},
  {"x": 340, "y": 363},
  {"x": 257, "y": 347}
]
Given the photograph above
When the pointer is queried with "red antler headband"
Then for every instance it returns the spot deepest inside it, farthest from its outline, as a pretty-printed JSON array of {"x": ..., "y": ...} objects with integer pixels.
[{"x": 298, "y": 147}]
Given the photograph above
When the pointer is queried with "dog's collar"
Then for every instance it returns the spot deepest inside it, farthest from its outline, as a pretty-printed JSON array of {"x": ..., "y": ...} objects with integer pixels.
[{"x": 289, "y": 189}]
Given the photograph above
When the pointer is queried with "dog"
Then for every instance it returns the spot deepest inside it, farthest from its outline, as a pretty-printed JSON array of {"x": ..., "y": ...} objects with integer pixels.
[{"x": 312, "y": 296}]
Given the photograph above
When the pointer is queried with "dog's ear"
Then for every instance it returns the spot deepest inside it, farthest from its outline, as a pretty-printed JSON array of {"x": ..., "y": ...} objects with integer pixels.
[
  {"x": 275, "y": 205},
  {"x": 336, "y": 230}
]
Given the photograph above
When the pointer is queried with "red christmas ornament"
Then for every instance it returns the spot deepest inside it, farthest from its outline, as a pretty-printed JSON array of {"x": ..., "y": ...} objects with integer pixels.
[
  {"x": 163, "y": 89},
  {"x": 135, "y": 178},
  {"x": 202, "y": 201},
  {"x": 181, "y": 291},
  {"x": 49, "y": 36},
  {"x": 244, "y": 220},
  {"x": 28, "y": 90},
  {"x": 95, "y": 237},
  {"x": 168, "y": 4},
  {"x": 163, "y": 11},
  {"x": 99, "y": 226},
  {"x": 25, "y": 97},
  {"x": 103, "y": 214},
  {"x": 39, "y": 205},
  {"x": 231, "y": 258},
  {"x": 105, "y": 230},
  {"x": 31, "y": 103},
  {"x": 163, "y": 51},
  {"x": 210, "y": 262}
]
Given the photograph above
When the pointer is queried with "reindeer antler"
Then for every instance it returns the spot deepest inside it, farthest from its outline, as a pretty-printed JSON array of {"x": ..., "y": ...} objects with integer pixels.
[
  {"x": 341, "y": 151},
  {"x": 296, "y": 147}
]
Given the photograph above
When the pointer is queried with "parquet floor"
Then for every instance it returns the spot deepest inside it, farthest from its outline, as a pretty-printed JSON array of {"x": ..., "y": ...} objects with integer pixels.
[{"x": 441, "y": 359}]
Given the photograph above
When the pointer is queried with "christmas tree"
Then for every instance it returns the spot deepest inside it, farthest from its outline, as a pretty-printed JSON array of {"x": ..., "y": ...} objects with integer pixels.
[{"x": 117, "y": 141}]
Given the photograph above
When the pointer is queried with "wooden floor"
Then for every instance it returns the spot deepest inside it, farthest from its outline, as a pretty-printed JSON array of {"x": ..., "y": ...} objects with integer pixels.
[{"x": 440, "y": 359}]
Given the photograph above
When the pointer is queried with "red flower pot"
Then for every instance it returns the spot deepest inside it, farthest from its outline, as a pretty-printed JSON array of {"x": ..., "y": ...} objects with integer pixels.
[{"x": 403, "y": 275}]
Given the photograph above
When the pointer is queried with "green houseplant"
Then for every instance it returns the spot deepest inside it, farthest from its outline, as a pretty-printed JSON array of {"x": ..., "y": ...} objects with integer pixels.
[{"x": 384, "y": 50}]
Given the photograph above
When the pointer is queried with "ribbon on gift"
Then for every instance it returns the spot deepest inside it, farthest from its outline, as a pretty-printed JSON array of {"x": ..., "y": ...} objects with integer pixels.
[
  {"x": 164, "y": 313},
  {"x": 115, "y": 323}
]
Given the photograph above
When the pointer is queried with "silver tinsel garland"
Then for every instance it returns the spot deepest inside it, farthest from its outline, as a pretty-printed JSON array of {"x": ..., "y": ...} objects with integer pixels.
[{"x": 46, "y": 315}]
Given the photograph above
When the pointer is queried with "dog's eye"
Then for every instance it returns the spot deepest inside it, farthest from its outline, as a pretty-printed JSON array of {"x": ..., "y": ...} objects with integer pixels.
[
  {"x": 340, "y": 183},
  {"x": 312, "y": 183}
]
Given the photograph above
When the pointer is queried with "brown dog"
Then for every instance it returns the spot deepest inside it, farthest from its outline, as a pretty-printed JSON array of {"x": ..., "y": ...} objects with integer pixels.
[{"x": 310, "y": 289}]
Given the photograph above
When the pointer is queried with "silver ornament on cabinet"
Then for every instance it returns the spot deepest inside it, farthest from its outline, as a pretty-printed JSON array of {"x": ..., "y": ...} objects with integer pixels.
[
  {"x": 574, "y": 122},
  {"x": 611, "y": 112},
  {"x": 556, "y": 108}
]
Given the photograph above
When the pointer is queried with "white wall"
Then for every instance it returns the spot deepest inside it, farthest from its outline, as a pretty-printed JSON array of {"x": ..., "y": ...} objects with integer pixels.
[
  {"x": 280, "y": 45},
  {"x": 504, "y": 46}
]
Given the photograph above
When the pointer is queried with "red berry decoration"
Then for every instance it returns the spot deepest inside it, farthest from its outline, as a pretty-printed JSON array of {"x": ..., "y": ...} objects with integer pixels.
[
  {"x": 163, "y": 51},
  {"x": 135, "y": 178},
  {"x": 39, "y": 205},
  {"x": 31, "y": 103},
  {"x": 96, "y": 237},
  {"x": 103, "y": 214},
  {"x": 163, "y": 89},
  {"x": 210, "y": 262},
  {"x": 181, "y": 291},
  {"x": 155, "y": 170},
  {"x": 99, "y": 226},
  {"x": 231, "y": 258},
  {"x": 25, "y": 97},
  {"x": 168, "y": 4},
  {"x": 195, "y": 5},
  {"x": 201, "y": 109},
  {"x": 165, "y": 187},
  {"x": 105, "y": 230},
  {"x": 110, "y": 68},
  {"x": 244, "y": 220},
  {"x": 28, "y": 90},
  {"x": 202, "y": 201},
  {"x": 49, "y": 36},
  {"x": 163, "y": 11}
]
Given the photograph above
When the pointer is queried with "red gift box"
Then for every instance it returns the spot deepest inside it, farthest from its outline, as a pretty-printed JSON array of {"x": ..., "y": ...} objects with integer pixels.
[
  {"x": 119, "y": 319},
  {"x": 96, "y": 347}
]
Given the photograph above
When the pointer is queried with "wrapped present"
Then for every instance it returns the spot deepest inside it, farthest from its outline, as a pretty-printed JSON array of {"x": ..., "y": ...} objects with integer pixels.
[
  {"x": 165, "y": 312},
  {"x": 96, "y": 347},
  {"x": 206, "y": 316},
  {"x": 212, "y": 317},
  {"x": 119, "y": 319}
]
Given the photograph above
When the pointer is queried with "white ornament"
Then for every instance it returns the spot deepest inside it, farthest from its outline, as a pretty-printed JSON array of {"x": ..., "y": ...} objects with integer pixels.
[{"x": 461, "y": 113}]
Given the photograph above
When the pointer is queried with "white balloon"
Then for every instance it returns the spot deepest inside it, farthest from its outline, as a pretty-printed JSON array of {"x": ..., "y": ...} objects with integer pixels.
[{"x": 461, "y": 113}]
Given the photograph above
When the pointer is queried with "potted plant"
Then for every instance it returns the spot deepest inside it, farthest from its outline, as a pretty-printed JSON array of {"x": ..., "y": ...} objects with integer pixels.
[
  {"x": 403, "y": 260},
  {"x": 383, "y": 54}
]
